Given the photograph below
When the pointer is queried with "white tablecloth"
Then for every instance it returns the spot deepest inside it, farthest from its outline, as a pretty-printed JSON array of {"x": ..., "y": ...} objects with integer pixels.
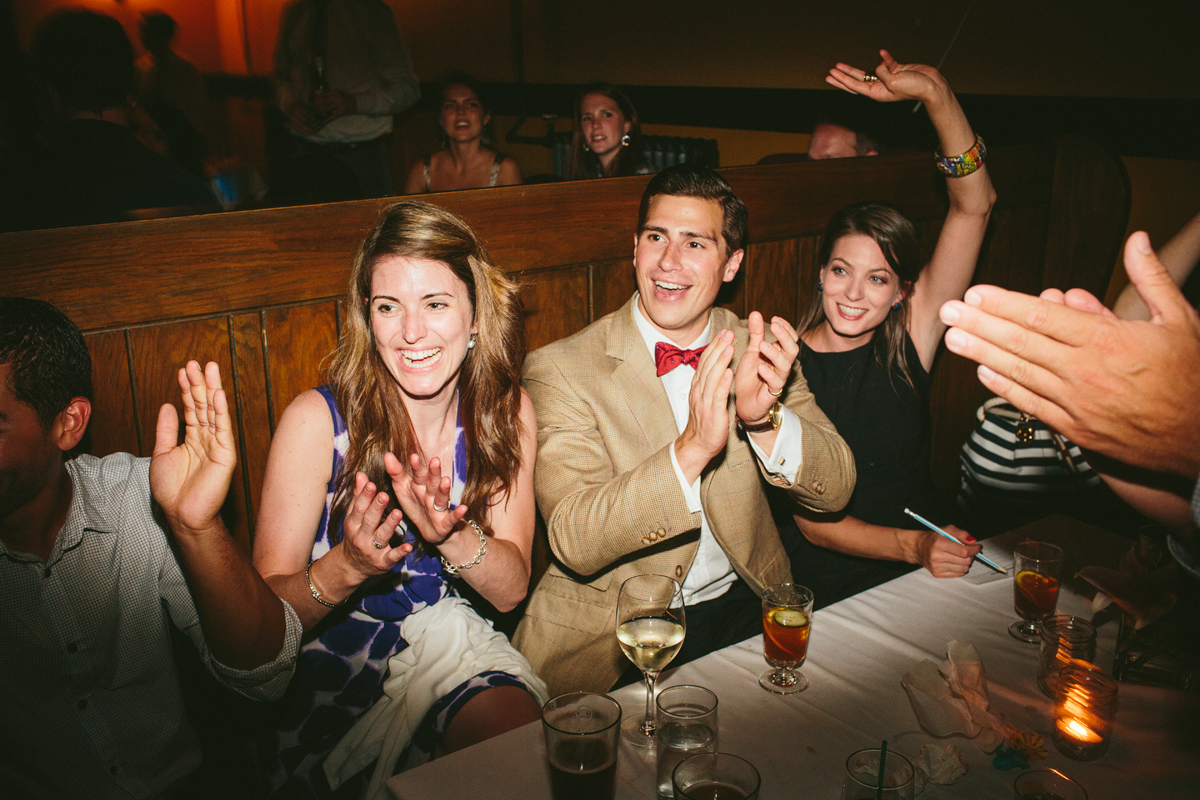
[{"x": 858, "y": 651}]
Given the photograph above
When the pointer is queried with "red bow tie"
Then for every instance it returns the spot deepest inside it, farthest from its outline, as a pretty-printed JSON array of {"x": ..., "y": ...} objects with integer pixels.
[{"x": 667, "y": 357}]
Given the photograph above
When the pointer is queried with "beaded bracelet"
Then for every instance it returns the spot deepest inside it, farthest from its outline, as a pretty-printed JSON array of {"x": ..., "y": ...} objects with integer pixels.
[
  {"x": 961, "y": 166},
  {"x": 453, "y": 570},
  {"x": 312, "y": 587}
]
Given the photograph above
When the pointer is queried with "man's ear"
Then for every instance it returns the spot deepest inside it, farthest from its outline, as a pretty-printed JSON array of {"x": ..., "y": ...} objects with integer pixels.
[
  {"x": 733, "y": 265},
  {"x": 71, "y": 423}
]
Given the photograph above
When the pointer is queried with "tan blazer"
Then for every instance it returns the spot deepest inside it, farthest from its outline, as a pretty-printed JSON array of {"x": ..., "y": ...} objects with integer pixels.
[{"x": 612, "y": 502}]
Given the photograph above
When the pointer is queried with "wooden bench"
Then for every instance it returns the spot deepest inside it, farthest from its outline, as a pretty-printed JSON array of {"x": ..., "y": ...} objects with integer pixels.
[{"x": 259, "y": 292}]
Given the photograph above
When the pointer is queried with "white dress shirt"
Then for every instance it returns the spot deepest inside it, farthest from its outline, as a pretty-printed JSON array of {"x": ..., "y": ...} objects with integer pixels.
[{"x": 711, "y": 574}]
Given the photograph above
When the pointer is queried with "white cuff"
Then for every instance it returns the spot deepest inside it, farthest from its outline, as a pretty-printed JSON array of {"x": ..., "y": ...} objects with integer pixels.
[
  {"x": 787, "y": 452},
  {"x": 691, "y": 491}
]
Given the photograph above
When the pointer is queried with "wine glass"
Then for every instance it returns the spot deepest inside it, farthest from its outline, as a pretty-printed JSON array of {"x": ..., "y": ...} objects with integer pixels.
[
  {"x": 787, "y": 620},
  {"x": 650, "y": 628},
  {"x": 1035, "y": 587}
]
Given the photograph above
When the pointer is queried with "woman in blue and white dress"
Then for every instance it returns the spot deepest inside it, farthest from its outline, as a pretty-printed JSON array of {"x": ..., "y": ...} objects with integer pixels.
[{"x": 411, "y": 469}]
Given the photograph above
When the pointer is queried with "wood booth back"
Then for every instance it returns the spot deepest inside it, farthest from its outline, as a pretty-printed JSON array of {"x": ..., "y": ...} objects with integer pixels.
[{"x": 260, "y": 292}]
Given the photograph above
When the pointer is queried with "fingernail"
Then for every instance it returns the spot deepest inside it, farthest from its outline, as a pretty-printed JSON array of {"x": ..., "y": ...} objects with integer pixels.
[
  {"x": 972, "y": 298},
  {"x": 986, "y": 374},
  {"x": 971, "y": 539},
  {"x": 1141, "y": 242},
  {"x": 949, "y": 314},
  {"x": 956, "y": 340}
]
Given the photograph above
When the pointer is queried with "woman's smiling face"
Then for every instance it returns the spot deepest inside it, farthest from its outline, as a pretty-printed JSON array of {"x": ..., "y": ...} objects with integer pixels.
[
  {"x": 859, "y": 288},
  {"x": 602, "y": 124}
]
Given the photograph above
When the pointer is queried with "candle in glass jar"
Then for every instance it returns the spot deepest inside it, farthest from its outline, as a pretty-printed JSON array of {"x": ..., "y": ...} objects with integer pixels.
[
  {"x": 1078, "y": 731},
  {"x": 1084, "y": 711}
]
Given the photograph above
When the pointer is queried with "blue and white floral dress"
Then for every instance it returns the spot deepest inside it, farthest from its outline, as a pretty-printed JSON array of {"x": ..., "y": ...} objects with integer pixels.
[{"x": 340, "y": 672}]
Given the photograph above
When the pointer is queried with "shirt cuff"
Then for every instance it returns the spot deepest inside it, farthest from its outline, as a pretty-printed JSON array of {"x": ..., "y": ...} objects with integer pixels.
[
  {"x": 269, "y": 681},
  {"x": 691, "y": 491},
  {"x": 786, "y": 454}
]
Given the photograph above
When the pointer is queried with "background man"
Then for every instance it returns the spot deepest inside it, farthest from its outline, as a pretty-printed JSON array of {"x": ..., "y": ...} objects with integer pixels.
[
  {"x": 649, "y": 456},
  {"x": 90, "y": 580}
]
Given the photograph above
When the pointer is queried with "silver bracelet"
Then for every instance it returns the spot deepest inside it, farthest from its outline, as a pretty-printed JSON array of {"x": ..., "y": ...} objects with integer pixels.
[
  {"x": 453, "y": 570},
  {"x": 312, "y": 588}
]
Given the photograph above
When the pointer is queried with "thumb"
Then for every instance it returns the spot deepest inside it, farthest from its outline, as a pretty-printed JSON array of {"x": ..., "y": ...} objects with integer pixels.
[
  {"x": 166, "y": 430},
  {"x": 1154, "y": 284}
]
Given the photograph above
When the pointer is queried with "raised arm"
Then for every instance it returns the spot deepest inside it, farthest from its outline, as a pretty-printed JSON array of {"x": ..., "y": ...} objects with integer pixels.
[
  {"x": 243, "y": 621},
  {"x": 502, "y": 573},
  {"x": 949, "y": 272},
  {"x": 293, "y": 498},
  {"x": 1179, "y": 255}
]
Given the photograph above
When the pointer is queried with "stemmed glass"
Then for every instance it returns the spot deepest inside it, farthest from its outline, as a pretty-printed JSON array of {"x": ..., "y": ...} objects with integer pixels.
[
  {"x": 787, "y": 621},
  {"x": 650, "y": 629},
  {"x": 1035, "y": 587}
]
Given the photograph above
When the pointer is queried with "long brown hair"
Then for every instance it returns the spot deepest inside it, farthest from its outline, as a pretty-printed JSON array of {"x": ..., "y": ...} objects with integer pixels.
[
  {"x": 897, "y": 240},
  {"x": 489, "y": 383},
  {"x": 586, "y": 164}
]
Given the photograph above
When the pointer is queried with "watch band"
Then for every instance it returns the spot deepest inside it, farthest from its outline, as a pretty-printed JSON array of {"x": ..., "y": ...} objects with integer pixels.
[{"x": 772, "y": 422}]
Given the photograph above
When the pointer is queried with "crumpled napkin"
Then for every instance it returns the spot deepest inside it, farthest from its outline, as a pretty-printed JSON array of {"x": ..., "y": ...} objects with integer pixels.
[
  {"x": 941, "y": 763},
  {"x": 1143, "y": 592},
  {"x": 953, "y": 698}
]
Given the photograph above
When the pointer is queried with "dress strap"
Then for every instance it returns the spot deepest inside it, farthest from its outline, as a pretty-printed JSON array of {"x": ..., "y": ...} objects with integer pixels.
[
  {"x": 428, "y": 161},
  {"x": 496, "y": 169}
]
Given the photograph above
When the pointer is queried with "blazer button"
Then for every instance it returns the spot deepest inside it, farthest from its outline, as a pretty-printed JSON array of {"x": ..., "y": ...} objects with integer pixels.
[
  {"x": 678, "y": 570},
  {"x": 818, "y": 486}
]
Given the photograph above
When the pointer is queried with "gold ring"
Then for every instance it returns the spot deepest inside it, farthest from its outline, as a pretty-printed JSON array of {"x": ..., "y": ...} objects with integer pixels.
[
  {"x": 775, "y": 394},
  {"x": 376, "y": 542},
  {"x": 869, "y": 78}
]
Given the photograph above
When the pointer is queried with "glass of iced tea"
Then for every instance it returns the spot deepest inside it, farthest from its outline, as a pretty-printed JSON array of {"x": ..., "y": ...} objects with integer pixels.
[
  {"x": 582, "y": 731},
  {"x": 787, "y": 619},
  {"x": 1035, "y": 587}
]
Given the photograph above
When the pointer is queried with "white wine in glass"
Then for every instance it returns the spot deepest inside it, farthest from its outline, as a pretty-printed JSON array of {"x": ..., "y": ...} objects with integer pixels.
[{"x": 650, "y": 630}]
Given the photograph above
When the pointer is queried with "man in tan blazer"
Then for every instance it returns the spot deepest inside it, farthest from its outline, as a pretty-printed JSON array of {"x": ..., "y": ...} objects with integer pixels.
[{"x": 654, "y": 459}]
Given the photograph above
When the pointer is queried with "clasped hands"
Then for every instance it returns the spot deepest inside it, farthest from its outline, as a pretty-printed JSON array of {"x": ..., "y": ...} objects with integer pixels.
[
  {"x": 762, "y": 374},
  {"x": 423, "y": 498}
]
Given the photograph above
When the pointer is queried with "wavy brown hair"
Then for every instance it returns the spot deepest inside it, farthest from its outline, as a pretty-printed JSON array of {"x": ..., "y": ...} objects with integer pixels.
[
  {"x": 489, "y": 383},
  {"x": 897, "y": 240}
]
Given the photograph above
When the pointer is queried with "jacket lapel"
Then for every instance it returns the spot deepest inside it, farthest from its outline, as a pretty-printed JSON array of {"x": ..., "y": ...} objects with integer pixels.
[{"x": 636, "y": 383}]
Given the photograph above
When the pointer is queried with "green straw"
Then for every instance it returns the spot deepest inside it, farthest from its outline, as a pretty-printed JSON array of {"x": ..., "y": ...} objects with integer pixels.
[{"x": 882, "y": 759}]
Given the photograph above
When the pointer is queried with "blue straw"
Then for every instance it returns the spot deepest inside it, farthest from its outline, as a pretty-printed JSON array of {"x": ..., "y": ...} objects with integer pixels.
[{"x": 936, "y": 529}]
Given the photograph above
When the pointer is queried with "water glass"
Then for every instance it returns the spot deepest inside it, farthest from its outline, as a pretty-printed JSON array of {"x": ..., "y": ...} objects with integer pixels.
[
  {"x": 716, "y": 776},
  {"x": 686, "y": 726},
  {"x": 582, "y": 733},
  {"x": 862, "y": 776},
  {"x": 1043, "y": 784},
  {"x": 1064, "y": 637}
]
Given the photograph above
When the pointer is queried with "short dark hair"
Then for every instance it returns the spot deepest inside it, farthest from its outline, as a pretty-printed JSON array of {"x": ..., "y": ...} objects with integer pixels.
[
  {"x": 87, "y": 57},
  {"x": 49, "y": 363},
  {"x": 690, "y": 180}
]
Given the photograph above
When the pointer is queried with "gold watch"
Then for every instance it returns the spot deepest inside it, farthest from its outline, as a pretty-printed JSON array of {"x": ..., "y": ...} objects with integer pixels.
[{"x": 771, "y": 423}]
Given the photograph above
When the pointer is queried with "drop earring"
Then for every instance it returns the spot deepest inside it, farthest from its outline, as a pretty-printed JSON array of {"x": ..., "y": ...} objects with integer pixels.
[
  {"x": 471, "y": 342},
  {"x": 820, "y": 286},
  {"x": 625, "y": 140}
]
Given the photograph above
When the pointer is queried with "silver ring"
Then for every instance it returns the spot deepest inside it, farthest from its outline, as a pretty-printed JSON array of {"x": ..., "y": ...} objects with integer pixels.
[
  {"x": 377, "y": 543},
  {"x": 441, "y": 510}
]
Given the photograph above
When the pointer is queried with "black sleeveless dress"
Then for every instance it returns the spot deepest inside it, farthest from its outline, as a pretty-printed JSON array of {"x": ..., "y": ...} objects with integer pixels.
[{"x": 886, "y": 424}]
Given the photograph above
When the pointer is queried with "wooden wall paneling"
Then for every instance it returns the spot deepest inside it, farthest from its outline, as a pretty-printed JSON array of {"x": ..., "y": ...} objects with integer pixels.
[
  {"x": 807, "y": 273},
  {"x": 254, "y": 420},
  {"x": 772, "y": 276},
  {"x": 556, "y": 304},
  {"x": 1087, "y": 217},
  {"x": 613, "y": 283},
  {"x": 1014, "y": 248},
  {"x": 732, "y": 295},
  {"x": 113, "y": 428},
  {"x": 299, "y": 341},
  {"x": 158, "y": 353}
]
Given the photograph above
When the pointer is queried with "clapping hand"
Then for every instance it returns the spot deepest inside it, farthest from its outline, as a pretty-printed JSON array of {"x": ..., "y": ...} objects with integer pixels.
[
  {"x": 895, "y": 81},
  {"x": 425, "y": 497},
  {"x": 190, "y": 480},
  {"x": 368, "y": 534},
  {"x": 765, "y": 367}
]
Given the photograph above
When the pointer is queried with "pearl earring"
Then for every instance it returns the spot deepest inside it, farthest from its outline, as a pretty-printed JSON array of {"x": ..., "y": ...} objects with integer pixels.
[{"x": 471, "y": 343}]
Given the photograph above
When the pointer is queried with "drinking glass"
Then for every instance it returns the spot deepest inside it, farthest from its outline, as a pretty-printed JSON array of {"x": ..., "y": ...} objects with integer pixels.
[
  {"x": 715, "y": 776},
  {"x": 1035, "y": 587},
  {"x": 650, "y": 629},
  {"x": 1045, "y": 784},
  {"x": 787, "y": 620},
  {"x": 687, "y": 726},
  {"x": 862, "y": 776},
  {"x": 581, "y": 730}
]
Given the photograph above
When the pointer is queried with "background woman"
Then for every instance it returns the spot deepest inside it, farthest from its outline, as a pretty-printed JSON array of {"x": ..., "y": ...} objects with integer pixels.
[
  {"x": 466, "y": 161},
  {"x": 870, "y": 333},
  {"x": 608, "y": 136},
  {"x": 427, "y": 369}
]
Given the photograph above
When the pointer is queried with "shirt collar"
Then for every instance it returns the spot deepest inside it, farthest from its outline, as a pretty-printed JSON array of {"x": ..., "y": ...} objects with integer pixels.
[{"x": 653, "y": 336}]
